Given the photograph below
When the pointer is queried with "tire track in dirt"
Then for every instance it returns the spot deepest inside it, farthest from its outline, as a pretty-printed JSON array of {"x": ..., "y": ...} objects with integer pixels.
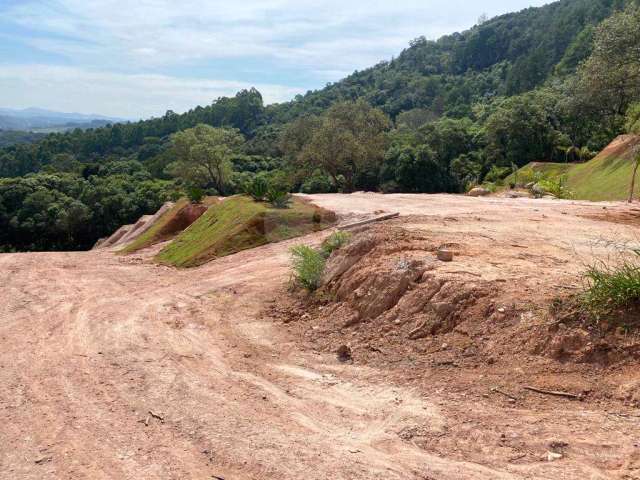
[{"x": 113, "y": 369}]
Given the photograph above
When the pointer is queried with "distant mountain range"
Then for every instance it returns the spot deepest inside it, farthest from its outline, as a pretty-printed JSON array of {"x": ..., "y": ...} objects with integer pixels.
[{"x": 41, "y": 120}]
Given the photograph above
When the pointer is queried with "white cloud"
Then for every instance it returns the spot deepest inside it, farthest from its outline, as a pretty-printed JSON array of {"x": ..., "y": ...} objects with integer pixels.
[
  {"x": 116, "y": 94},
  {"x": 113, "y": 47},
  {"x": 320, "y": 34}
]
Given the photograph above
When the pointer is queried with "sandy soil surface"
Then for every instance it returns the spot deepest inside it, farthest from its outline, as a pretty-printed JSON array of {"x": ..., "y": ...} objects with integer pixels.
[{"x": 115, "y": 368}]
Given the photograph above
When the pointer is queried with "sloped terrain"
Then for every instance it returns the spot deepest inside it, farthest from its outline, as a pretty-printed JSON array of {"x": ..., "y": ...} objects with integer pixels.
[
  {"x": 117, "y": 367},
  {"x": 606, "y": 177},
  {"x": 170, "y": 223},
  {"x": 239, "y": 223},
  {"x": 545, "y": 169}
]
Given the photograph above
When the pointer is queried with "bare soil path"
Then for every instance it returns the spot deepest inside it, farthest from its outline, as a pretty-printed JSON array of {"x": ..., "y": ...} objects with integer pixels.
[{"x": 114, "y": 368}]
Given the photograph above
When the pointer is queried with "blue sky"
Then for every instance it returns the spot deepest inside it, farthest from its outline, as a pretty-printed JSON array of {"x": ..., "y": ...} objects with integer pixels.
[{"x": 139, "y": 58}]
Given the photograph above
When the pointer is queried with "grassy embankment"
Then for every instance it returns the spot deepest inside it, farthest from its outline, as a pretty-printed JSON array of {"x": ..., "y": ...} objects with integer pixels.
[
  {"x": 239, "y": 223},
  {"x": 606, "y": 177},
  {"x": 166, "y": 227}
]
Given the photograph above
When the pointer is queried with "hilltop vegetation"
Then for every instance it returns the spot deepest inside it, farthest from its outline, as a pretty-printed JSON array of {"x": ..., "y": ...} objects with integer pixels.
[{"x": 544, "y": 84}]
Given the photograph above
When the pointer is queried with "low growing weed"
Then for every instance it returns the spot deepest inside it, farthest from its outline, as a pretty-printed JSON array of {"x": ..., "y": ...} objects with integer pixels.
[
  {"x": 612, "y": 287},
  {"x": 333, "y": 242}
]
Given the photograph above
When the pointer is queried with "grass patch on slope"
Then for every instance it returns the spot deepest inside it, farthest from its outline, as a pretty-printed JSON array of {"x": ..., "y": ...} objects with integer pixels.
[
  {"x": 239, "y": 223},
  {"x": 160, "y": 230},
  {"x": 534, "y": 171},
  {"x": 603, "y": 178}
]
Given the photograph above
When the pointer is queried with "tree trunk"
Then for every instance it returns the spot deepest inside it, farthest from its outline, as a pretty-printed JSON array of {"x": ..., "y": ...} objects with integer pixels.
[{"x": 633, "y": 179}]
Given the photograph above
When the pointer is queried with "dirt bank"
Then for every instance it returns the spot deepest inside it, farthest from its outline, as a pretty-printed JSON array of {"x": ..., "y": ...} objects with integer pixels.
[{"x": 112, "y": 367}]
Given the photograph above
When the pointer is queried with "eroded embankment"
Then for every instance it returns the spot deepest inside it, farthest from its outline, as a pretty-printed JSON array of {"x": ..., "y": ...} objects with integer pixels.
[{"x": 387, "y": 298}]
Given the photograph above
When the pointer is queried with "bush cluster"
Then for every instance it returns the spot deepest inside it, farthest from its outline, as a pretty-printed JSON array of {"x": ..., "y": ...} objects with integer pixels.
[{"x": 308, "y": 263}]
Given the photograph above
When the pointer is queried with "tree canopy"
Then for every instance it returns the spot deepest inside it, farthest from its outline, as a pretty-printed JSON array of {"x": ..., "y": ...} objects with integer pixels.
[{"x": 553, "y": 83}]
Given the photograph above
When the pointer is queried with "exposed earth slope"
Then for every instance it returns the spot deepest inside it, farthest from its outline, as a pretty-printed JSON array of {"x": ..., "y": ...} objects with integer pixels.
[{"x": 114, "y": 367}]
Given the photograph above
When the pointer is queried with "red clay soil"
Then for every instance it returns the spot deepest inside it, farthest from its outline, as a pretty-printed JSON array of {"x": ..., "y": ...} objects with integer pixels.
[
  {"x": 622, "y": 147},
  {"x": 182, "y": 219},
  {"x": 113, "y": 367}
]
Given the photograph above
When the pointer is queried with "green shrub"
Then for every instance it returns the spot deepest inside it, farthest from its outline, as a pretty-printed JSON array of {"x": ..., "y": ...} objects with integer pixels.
[
  {"x": 257, "y": 188},
  {"x": 308, "y": 265},
  {"x": 557, "y": 187},
  {"x": 195, "y": 194},
  {"x": 318, "y": 182},
  {"x": 492, "y": 187},
  {"x": 612, "y": 287},
  {"x": 278, "y": 198},
  {"x": 333, "y": 242},
  {"x": 497, "y": 174}
]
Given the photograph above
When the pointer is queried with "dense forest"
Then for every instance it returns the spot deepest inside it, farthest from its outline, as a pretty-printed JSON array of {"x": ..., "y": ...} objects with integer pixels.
[{"x": 554, "y": 83}]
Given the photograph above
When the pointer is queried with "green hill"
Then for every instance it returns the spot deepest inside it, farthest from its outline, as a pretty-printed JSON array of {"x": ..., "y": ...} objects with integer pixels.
[
  {"x": 605, "y": 177},
  {"x": 239, "y": 223},
  {"x": 503, "y": 56}
]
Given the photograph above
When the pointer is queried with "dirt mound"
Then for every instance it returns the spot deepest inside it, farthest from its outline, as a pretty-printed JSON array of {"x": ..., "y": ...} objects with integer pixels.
[
  {"x": 382, "y": 276},
  {"x": 239, "y": 223},
  {"x": 114, "y": 238},
  {"x": 387, "y": 291},
  {"x": 168, "y": 222}
]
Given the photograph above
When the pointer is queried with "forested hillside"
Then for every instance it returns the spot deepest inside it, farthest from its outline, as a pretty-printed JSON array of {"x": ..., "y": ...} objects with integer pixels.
[{"x": 545, "y": 84}]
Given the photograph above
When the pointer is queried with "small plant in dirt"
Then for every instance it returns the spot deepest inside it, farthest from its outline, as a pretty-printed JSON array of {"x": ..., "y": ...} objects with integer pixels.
[
  {"x": 333, "y": 242},
  {"x": 613, "y": 289},
  {"x": 278, "y": 198},
  {"x": 195, "y": 194},
  {"x": 257, "y": 188},
  {"x": 308, "y": 265}
]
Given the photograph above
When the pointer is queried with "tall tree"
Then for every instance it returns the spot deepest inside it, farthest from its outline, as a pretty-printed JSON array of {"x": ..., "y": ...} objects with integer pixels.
[
  {"x": 609, "y": 80},
  {"x": 203, "y": 155},
  {"x": 350, "y": 141}
]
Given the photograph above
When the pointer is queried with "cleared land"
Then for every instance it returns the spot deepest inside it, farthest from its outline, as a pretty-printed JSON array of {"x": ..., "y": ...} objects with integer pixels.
[{"x": 115, "y": 367}]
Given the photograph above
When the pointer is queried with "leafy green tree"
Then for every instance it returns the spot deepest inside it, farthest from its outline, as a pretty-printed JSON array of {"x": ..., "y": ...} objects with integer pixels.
[
  {"x": 609, "y": 80},
  {"x": 414, "y": 169},
  {"x": 519, "y": 132},
  {"x": 203, "y": 156},
  {"x": 350, "y": 140},
  {"x": 632, "y": 124}
]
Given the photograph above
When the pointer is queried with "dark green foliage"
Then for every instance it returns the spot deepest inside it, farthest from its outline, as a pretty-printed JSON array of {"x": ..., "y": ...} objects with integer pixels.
[
  {"x": 308, "y": 265},
  {"x": 318, "y": 182},
  {"x": 257, "y": 188},
  {"x": 519, "y": 131},
  {"x": 13, "y": 137},
  {"x": 278, "y": 198},
  {"x": 63, "y": 211},
  {"x": 195, "y": 194}
]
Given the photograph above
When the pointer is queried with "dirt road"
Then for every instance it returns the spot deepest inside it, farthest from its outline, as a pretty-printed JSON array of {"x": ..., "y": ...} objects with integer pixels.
[{"x": 115, "y": 368}]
